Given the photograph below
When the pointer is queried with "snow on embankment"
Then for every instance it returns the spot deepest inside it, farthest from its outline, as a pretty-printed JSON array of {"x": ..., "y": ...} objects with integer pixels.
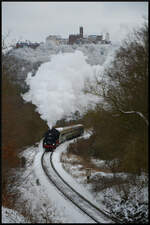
[
  {"x": 96, "y": 53},
  {"x": 12, "y": 216},
  {"x": 57, "y": 87}
]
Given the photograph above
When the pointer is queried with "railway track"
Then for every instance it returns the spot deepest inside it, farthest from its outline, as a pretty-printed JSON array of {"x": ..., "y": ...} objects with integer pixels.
[{"x": 71, "y": 194}]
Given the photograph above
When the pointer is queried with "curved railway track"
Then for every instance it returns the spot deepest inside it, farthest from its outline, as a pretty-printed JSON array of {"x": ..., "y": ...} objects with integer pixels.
[{"x": 71, "y": 194}]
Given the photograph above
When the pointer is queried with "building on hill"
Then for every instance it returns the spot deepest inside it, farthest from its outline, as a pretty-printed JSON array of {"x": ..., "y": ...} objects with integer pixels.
[
  {"x": 21, "y": 44},
  {"x": 107, "y": 38},
  {"x": 80, "y": 39},
  {"x": 76, "y": 38}
]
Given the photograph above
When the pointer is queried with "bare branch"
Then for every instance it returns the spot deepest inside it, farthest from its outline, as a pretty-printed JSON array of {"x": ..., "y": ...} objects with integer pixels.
[{"x": 138, "y": 113}]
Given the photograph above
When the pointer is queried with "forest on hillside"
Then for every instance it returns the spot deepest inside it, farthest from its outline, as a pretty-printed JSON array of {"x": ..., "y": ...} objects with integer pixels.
[
  {"x": 21, "y": 125},
  {"x": 120, "y": 130}
]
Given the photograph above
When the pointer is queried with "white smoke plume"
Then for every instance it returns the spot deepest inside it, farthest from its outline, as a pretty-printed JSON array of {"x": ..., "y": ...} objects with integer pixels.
[{"x": 57, "y": 87}]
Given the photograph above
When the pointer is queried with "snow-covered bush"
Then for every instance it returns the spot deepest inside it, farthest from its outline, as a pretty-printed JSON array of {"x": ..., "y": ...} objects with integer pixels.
[{"x": 129, "y": 203}]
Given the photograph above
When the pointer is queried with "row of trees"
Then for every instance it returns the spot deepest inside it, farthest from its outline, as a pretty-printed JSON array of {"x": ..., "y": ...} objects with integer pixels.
[{"x": 21, "y": 125}]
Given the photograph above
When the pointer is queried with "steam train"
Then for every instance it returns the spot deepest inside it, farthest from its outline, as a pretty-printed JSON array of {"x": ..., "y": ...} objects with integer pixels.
[{"x": 56, "y": 136}]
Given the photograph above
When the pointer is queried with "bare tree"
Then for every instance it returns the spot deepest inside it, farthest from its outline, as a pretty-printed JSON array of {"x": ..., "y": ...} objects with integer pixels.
[{"x": 128, "y": 91}]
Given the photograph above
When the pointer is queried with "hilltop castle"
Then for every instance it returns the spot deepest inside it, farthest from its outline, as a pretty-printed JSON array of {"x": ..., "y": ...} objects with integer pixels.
[{"x": 79, "y": 38}]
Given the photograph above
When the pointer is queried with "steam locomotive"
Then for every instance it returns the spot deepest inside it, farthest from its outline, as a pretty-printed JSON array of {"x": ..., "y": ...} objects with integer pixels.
[{"x": 56, "y": 136}]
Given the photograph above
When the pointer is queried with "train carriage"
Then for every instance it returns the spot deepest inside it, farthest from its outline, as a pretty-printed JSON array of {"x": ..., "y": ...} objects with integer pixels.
[{"x": 71, "y": 132}]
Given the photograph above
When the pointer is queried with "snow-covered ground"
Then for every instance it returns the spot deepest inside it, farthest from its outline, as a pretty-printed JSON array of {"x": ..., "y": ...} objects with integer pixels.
[
  {"x": 96, "y": 54},
  {"x": 45, "y": 204},
  {"x": 42, "y": 199},
  {"x": 12, "y": 216}
]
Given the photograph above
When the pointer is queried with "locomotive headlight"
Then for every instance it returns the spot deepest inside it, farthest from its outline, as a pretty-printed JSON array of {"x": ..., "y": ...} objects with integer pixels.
[{"x": 53, "y": 144}]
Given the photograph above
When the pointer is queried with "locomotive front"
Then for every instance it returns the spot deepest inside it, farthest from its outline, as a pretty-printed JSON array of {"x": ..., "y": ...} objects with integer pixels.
[{"x": 51, "y": 140}]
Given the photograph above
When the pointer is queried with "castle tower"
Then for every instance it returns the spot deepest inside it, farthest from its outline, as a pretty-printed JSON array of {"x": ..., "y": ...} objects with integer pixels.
[
  {"x": 107, "y": 37},
  {"x": 81, "y": 32}
]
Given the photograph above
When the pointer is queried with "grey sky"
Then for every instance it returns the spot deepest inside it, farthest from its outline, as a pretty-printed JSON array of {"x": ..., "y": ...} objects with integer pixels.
[{"x": 34, "y": 21}]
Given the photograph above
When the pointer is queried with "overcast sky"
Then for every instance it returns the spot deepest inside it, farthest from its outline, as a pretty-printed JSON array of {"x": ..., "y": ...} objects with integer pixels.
[{"x": 34, "y": 21}]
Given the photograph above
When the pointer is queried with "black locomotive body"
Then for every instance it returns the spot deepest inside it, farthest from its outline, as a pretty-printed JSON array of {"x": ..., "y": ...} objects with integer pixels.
[{"x": 51, "y": 139}]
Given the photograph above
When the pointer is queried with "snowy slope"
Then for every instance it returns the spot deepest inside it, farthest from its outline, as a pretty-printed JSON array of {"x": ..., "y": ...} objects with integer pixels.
[
  {"x": 28, "y": 59},
  {"x": 12, "y": 216},
  {"x": 42, "y": 198},
  {"x": 66, "y": 211},
  {"x": 96, "y": 54},
  {"x": 46, "y": 204}
]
